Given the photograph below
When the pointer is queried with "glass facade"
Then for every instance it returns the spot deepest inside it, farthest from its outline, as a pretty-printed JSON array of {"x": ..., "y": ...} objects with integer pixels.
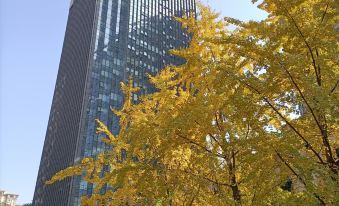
[{"x": 129, "y": 38}]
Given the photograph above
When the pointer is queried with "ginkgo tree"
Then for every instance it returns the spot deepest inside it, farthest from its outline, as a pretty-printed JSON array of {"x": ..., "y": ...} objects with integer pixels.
[{"x": 251, "y": 118}]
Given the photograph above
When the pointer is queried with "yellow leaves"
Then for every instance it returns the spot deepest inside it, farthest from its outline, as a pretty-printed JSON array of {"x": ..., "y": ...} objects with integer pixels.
[
  {"x": 86, "y": 161},
  {"x": 128, "y": 89},
  {"x": 68, "y": 172},
  {"x": 183, "y": 96},
  {"x": 102, "y": 129},
  {"x": 230, "y": 102},
  {"x": 110, "y": 138},
  {"x": 71, "y": 171},
  {"x": 166, "y": 79},
  {"x": 179, "y": 158}
]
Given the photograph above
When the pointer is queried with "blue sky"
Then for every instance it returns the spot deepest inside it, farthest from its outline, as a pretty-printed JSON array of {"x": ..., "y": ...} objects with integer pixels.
[{"x": 31, "y": 37}]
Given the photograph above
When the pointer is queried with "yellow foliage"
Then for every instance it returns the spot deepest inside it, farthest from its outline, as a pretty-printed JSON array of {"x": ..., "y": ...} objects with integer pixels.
[{"x": 250, "y": 111}]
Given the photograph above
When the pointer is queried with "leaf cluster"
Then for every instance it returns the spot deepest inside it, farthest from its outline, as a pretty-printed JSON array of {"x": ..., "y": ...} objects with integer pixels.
[{"x": 250, "y": 110}]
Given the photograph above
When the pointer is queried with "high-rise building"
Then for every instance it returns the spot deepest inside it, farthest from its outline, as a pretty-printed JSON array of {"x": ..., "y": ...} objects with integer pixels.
[{"x": 106, "y": 42}]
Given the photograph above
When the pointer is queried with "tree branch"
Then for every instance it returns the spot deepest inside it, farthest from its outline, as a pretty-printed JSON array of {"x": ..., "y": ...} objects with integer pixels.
[
  {"x": 213, "y": 137},
  {"x": 206, "y": 178},
  {"x": 298, "y": 176},
  {"x": 202, "y": 147},
  {"x": 306, "y": 43},
  {"x": 194, "y": 196},
  {"x": 248, "y": 130},
  {"x": 303, "y": 97},
  {"x": 325, "y": 12},
  {"x": 217, "y": 122},
  {"x": 290, "y": 168},
  {"x": 334, "y": 88},
  {"x": 308, "y": 145}
]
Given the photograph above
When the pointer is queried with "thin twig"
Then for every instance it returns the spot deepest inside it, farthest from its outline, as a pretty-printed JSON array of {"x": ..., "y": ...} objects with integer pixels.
[
  {"x": 325, "y": 12},
  {"x": 202, "y": 147},
  {"x": 334, "y": 88},
  {"x": 306, "y": 43},
  {"x": 303, "y": 97},
  {"x": 290, "y": 168},
  {"x": 309, "y": 146}
]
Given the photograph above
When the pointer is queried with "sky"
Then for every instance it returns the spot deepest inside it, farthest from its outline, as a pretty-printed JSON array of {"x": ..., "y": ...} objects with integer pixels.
[{"x": 31, "y": 38}]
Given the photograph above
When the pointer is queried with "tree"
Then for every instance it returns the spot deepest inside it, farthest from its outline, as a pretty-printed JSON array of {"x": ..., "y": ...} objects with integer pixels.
[{"x": 251, "y": 111}]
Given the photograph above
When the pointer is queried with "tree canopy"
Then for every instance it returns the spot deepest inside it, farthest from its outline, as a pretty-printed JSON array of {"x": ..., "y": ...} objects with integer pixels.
[{"x": 251, "y": 118}]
